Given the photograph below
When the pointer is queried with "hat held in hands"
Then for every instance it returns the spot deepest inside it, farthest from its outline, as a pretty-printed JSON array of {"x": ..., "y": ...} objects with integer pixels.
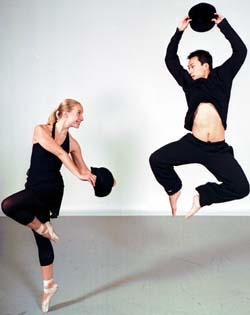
[
  {"x": 202, "y": 15},
  {"x": 104, "y": 181}
]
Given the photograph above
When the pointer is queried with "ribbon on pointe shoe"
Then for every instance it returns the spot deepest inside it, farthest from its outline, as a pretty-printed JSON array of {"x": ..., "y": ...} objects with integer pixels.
[
  {"x": 51, "y": 231},
  {"x": 50, "y": 291}
]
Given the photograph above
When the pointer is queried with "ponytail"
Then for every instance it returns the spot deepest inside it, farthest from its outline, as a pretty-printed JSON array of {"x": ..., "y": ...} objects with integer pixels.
[
  {"x": 52, "y": 118},
  {"x": 65, "y": 106}
]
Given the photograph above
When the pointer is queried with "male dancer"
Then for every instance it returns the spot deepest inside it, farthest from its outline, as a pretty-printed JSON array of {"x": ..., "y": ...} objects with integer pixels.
[{"x": 207, "y": 93}]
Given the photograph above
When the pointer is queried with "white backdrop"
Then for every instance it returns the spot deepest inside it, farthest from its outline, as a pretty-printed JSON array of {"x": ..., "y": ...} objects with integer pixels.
[{"x": 109, "y": 55}]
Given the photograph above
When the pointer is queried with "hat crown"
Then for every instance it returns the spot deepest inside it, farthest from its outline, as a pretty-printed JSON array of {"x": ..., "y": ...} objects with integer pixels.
[
  {"x": 202, "y": 15},
  {"x": 104, "y": 181}
]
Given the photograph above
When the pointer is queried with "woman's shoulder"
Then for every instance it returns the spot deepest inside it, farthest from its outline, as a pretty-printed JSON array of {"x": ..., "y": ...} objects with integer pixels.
[
  {"x": 43, "y": 127},
  {"x": 40, "y": 129}
]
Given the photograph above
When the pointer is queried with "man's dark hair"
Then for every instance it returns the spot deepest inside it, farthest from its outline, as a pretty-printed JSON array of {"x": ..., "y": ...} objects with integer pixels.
[{"x": 203, "y": 56}]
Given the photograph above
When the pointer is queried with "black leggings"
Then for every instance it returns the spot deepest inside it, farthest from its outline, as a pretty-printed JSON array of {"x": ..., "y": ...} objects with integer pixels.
[
  {"x": 217, "y": 157},
  {"x": 23, "y": 207}
]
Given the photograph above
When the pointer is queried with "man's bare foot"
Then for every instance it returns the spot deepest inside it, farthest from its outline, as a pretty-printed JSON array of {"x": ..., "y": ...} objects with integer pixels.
[
  {"x": 195, "y": 207},
  {"x": 173, "y": 202}
]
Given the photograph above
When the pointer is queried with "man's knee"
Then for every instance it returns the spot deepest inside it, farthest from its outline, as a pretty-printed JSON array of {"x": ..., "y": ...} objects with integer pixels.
[
  {"x": 242, "y": 189},
  {"x": 245, "y": 190},
  {"x": 153, "y": 160},
  {"x": 157, "y": 159}
]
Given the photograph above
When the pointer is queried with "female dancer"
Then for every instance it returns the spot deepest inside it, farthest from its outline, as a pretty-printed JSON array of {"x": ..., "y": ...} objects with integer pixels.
[{"x": 42, "y": 196}]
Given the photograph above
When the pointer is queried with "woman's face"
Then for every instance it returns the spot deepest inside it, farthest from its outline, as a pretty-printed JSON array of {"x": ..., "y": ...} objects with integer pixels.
[{"x": 75, "y": 116}]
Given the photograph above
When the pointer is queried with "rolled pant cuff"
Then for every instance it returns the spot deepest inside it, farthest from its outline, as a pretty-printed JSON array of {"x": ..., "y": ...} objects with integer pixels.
[
  {"x": 173, "y": 191},
  {"x": 202, "y": 195}
]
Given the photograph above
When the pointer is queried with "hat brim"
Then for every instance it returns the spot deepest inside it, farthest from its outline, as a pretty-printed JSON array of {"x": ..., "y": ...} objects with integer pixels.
[
  {"x": 202, "y": 15},
  {"x": 201, "y": 26}
]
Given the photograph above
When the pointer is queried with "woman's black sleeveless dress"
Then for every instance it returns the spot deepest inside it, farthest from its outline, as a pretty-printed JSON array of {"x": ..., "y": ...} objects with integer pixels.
[{"x": 44, "y": 177}]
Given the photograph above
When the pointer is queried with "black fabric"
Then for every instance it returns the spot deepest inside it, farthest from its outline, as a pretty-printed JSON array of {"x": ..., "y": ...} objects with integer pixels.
[
  {"x": 202, "y": 15},
  {"x": 216, "y": 88},
  {"x": 45, "y": 250},
  {"x": 104, "y": 181},
  {"x": 217, "y": 157},
  {"x": 23, "y": 207},
  {"x": 44, "y": 174},
  {"x": 42, "y": 196}
]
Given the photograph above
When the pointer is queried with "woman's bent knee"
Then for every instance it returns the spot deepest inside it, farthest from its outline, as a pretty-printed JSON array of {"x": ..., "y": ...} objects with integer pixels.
[{"x": 6, "y": 207}]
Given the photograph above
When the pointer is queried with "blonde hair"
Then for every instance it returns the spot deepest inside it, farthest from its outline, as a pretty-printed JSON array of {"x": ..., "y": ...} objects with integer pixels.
[{"x": 65, "y": 106}]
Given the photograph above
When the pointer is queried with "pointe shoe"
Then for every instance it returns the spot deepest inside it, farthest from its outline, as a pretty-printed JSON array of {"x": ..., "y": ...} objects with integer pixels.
[
  {"x": 51, "y": 292},
  {"x": 42, "y": 230},
  {"x": 46, "y": 228},
  {"x": 51, "y": 232}
]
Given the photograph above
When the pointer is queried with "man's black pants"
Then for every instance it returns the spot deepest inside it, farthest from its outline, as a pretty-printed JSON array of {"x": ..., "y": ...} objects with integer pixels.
[{"x": 217, "y": 157}]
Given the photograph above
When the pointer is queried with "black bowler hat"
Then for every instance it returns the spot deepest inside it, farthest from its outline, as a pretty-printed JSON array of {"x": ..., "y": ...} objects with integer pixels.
[
  {"x": 201, "y": 15},
  {"x": 104, "y": 181}
]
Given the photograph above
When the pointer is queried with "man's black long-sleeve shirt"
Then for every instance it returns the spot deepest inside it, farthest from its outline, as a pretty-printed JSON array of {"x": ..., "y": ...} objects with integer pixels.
[{"x": 217, "y": 87}]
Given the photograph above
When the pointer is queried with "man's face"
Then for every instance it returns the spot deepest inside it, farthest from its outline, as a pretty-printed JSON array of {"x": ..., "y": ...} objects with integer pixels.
[{"x": 196, "y": 69}]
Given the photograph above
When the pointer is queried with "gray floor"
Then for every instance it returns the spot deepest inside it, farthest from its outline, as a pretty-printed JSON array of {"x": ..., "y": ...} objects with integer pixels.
[{"x": 133, "y": 266}]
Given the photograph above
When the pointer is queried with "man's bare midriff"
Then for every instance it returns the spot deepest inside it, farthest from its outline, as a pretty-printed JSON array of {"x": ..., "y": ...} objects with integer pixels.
[{"x": 207, "y": 125}]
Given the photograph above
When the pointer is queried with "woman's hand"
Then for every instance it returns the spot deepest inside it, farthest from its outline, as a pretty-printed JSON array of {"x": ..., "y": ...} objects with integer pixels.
[
  {"x": 217, "y": 18},
  {"x": 184, "y": 24},
  {"x": 88, "y": 176}
]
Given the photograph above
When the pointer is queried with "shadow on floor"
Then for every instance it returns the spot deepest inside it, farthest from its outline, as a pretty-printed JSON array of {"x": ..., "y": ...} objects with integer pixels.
[{"x": 187, "y": 262}]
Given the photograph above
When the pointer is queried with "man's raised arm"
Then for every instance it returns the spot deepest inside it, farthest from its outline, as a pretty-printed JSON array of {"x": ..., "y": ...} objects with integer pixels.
[
  {"x": 233, "y": 64},
  {"x": 172, "y": 60}
]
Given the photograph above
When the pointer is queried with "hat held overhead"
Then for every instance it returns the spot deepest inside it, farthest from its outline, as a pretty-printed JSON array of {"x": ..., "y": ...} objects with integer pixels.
[{"x": 202, "y": 15}]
